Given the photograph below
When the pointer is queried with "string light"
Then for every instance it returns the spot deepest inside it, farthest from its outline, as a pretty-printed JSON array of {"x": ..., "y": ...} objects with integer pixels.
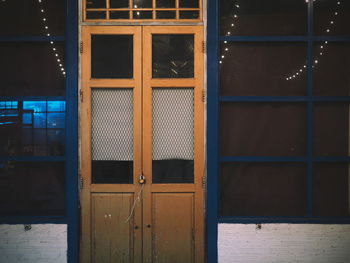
[
  {"x": 54, "y": 50},
  {"x": 299, "y": 71}
]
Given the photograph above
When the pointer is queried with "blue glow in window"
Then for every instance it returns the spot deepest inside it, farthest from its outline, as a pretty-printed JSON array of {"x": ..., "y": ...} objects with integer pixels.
[{"x": 36, "y": 106}]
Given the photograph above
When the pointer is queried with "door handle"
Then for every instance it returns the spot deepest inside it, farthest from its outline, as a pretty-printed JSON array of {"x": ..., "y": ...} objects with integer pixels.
[{"x": 142, "y": 179}]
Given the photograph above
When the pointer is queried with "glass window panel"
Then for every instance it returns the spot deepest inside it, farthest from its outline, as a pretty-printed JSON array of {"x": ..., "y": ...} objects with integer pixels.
[
  {"x": 331, "y": 189},
  {"x": 142, "y": 3},
  {"x": 32, "y": 188},
  {"x": 31, "y": 69},
  {"x": 263, "y": 69},
  {"x": 96, "y": 3},
  {"x": 56, "y": 106},
  {"x": 165, "y": 3},
  {"x": 269, "y": 17},
  {"x": 142, "y": 14},
  {"x": 112, "y": 56},
  {"x": 331, "y": 17},
  {"x": 331, "y": 69},
  {"x": 331, "y": 129},
  {"x": 24, "y": 129},
  {"x": 173, "y": 135},
  {"x": 119, "y": 3},
  {"x": 56, "y": 120},
  {"x": 263, "y": 129},
  {"x": 189, "y": 3},
  {"x": 95, "y": 15},
  {"x": 263, "y": 189},
  {"x": 112, "y": 136},
  {"x": 189, "y": 14},
  {"x": 119, "y": 15},
  {"x": 173, "y": 56},
  {"x": 166, "y": 14},
  {"x": 19, "y": 17}
]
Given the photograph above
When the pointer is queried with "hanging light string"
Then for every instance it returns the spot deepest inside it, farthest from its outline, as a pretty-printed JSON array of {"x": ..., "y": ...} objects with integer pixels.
[
  {"x": 302, "y": 69},
  {"x": 54, "y": 50},
  {"x": 321, "y": 48}
]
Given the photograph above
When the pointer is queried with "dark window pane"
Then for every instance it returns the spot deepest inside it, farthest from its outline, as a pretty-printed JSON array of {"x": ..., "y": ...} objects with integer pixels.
[
  {"x": 31, "y": 69},
  {"x": 269, "y": 17},
  {"x": 27, "y": 128},
  {"x": 332, "y": 69},
  {"x": 112, "y": 56},
  {"x": 142, "y": 3},
  {"x": 96, "y": 15},
  {"x": 119, "y": 15},
  {"x": 165, "y": 3},
  {"x": 331, "y": 189},
  {"x": 112, "y": 136},
  {"x": 189, "y": 3},
  {"x": 95, "y": 3},
  {"x": 332, "y": 17},
  {"x": 31, "y": 188},
  {"x": 263, "y": 69},
  {"x": 189, "y": 14},
  {"x": 112, "y": 172},
  {"x": 266, "y": 129},
  {"x": 263, "y": 189},
  {"x": 142, "y": 14},
  {"x": 19, "y": 17},
  {"x": 331, "y": 129},
  {"x": 173, "y": 135},
  {"x": 119, "y": 3},
  {"x": 166, "y": 14},
  {"x": 173, "y": 56}
]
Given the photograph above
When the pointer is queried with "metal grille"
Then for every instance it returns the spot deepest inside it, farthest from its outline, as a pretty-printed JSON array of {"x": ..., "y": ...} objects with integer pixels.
[
  {"x": 173, "y": 123},
  {"x": 112, "y": 124}
]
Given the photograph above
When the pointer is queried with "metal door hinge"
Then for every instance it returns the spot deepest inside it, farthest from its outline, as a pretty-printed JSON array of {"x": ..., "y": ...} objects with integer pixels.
[
  {"x": 81, "y": 182},
  {"x": 203, "y": 96},
  {"x": 204, "y": 182},
  {"x": 204, "y": 46},
  {"x": 81, "y": 95},
  {"x": 81, "y": 47}
]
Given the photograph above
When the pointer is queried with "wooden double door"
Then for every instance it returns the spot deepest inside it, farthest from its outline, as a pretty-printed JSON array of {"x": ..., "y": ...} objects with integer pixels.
[{"x": 142, "y": 144}]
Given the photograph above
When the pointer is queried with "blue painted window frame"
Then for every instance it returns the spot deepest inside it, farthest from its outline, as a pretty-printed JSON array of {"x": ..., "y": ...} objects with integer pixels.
[
  {"x": 71, "y": 218},
  {"x": 214, "y": 99}
]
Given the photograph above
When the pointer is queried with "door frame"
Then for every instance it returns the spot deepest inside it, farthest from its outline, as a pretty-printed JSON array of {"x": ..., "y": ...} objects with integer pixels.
[{"x": 85, "y": 119}]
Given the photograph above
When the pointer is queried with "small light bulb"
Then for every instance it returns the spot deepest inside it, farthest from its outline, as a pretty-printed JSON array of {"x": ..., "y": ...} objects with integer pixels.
[
  {"x": 51, "y": 42},
  {"x": 336, "y": 13},
  {"x": 58, "y": 60},
  {"x": 53, "y": 49},
  {"x": 321, "y": 53},
  {"x": 42, "y": 10},
  {"x": 229, "y": 33},
  {"x": 316, "y": 61},
  {"x": 44, "y": 19},
  {"x": 304, "y": 66},
  {"x": 56, "y": 55},
  {"x": 332, "y": 22},
  {"x": 326, "y": 42},
  {"x": 225, "y": 42},
  {"x": 232, "y": 25},
  {"x": 301, "y": 70},
  {"x": 338, "y": 3},
  {"x": 62, "y": 69},
  {"x": 226, "y": 49},
  {"x": 46, "y": 27},
  {"x": 220, "y": 61},
  {"x": 237, "y": 6},
  {"x": 327, "y": 30},
  {"x": 48, "y": 35},
  {"x": 222, "y": 56},
  {"x": 235, "y": 16},
  {"x": 60, "y": 65},
  {"x": 321, "y": 47}
]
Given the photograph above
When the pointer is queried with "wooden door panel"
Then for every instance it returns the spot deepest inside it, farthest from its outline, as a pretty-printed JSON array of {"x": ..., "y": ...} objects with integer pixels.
[
  {"x": 113, "y": 235},
  {"x": 172, "y": 228}
]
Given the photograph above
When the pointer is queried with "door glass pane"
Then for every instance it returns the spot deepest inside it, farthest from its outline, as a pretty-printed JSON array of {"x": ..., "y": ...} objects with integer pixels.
[
  {"x": 173, "y": 56},
  {"x": 166, "y": 3},
  {"x": 112, "y": 56},
  {"x": 189, "y": 3},
  {"x": 112, "y": 136},
  {"x": 268, "y": 17},
  {"x": 142, "y": 3},
  {"x": 173, "y": 135}
]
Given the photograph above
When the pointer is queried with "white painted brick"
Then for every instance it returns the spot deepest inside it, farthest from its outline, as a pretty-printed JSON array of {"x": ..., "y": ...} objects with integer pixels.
[
  {"x": 44, "y": 243},
  {"x": 280, "y": 243}
]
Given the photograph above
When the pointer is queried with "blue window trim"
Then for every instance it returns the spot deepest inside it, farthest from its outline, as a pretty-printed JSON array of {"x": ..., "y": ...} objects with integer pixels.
[
  {"x": 71, "y": 156},
  {"x": 213, "y": 105}
]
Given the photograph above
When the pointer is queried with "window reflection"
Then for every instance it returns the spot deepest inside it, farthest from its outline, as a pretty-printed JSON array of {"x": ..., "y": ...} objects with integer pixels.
[{"x": 32, "y": 128}]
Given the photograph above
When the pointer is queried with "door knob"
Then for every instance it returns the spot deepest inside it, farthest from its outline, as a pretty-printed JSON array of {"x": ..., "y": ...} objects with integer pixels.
[{"x": 142, "y": 179}]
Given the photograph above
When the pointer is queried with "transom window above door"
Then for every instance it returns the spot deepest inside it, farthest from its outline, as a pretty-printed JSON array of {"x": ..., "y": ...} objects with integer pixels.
[{"x": 142, "y": 10}]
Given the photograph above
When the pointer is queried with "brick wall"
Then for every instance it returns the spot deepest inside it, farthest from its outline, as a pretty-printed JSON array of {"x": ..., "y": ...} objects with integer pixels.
[
  {"x": 284, "y": 243},
  {"x": 42, "y": 244}
]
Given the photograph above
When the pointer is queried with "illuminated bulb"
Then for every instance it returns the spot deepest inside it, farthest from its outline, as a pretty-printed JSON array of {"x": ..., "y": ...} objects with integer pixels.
[
  {"x": 287, "y": 78},
  {"x": 220, "y": 61},
  {"x": 336, "y": 13},
  {"x": 228, "y": 33},
  {"x": 300, "y": 70},
  {"x": 138, "y": 13},
  {"x": 321, "y": 53},
  {"x": 51, "y": 42},
  {"x": 58, "y": 60},
  {"x": 226, "y": 49},
  {"x": 60, "y": 65},
  {"x": 304, "y": 66},
  {"x": 46, "y": 27},
  {"x": 135, "y": 6},
  {"x": 316, "y": 61},
  {"x": 62, "y": 69},
  {"x": 338, "y": 3},
  {"x": 39, "y": 1},
  {"x": 327, "y": 30},
  {"x": 293, "y": 76},
  {"x": 44, "y": 19},
  {"x": 53, "y": 49},
  {"x": 332, "y": 22},
  {"x": 297, "y": 73},
  {"x": 321, "y": 46},
  {"x": 235, "y": 16},
  {"x": 326, "y": 42},
  {"x": 42, "y": 10},
  {"x": 237, "y": 6},
  {"x": 225, "y": 42},
  {"x": 222, "y": 56},
  {"x": 232, "y": 24},
  {"x": 48, "y": 35},
  {"x": 56, "y": 55},
  {"x": 64, "y": 73}
]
